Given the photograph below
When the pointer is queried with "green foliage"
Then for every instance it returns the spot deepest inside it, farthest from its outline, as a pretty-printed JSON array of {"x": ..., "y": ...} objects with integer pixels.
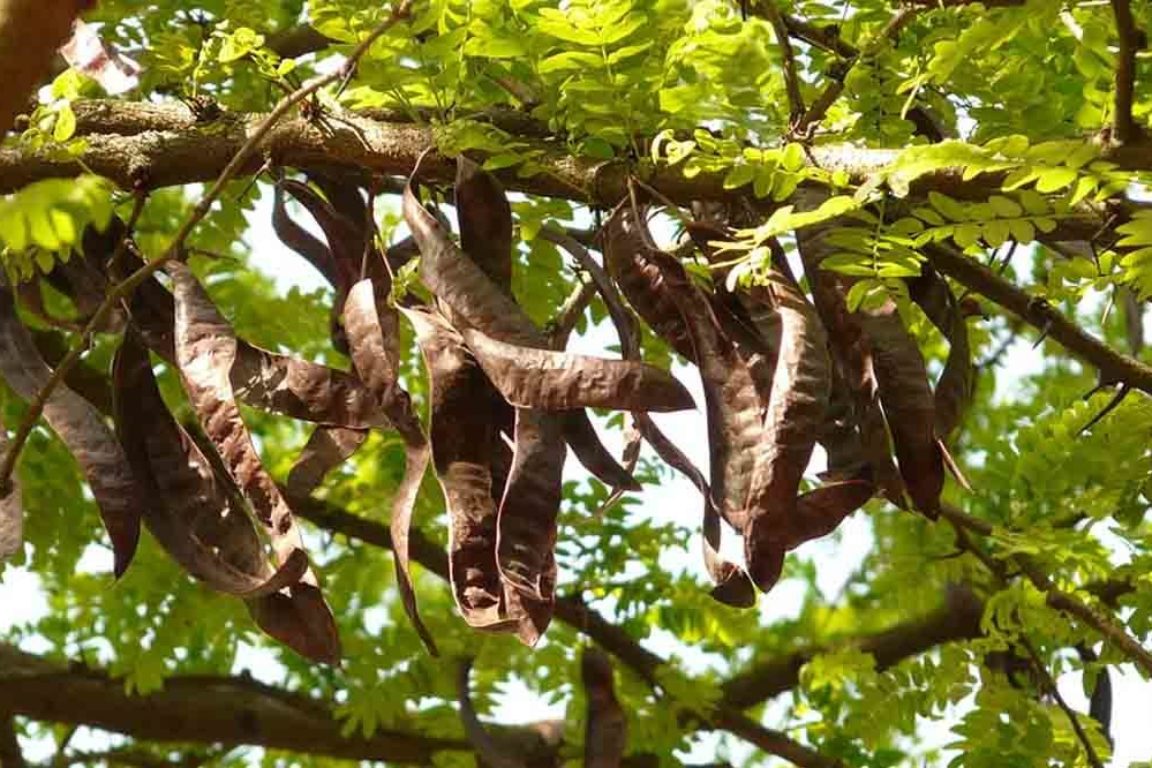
[
  {"x": 43, "y": 222},
  {"x": 690, "y": 91}
]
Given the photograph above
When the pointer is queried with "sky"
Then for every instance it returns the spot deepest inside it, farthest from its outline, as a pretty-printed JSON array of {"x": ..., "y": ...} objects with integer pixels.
[{"x": 838, "y": 556}]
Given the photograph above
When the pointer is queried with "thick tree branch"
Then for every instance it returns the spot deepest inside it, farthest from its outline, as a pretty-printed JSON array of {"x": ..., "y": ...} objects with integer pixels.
[
  {"x": 163, "y": 145},
  {"x": 1114, "y": 367},
  {"x": 218, "y": 710},
  {"x": 1125, "y": 128}
]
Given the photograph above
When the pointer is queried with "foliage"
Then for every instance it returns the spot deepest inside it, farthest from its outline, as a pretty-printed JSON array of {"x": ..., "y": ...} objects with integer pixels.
[{"x": 983, "y": 130}]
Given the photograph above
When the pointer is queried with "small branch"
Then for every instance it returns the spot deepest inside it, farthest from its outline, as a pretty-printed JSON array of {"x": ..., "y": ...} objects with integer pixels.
[
  {"x": 833, "y": 90},
  {"x": 1073, "y": 719},
  {"x": 1114, "y": 367},
  {"x": 769, "y": 11},
  {"x": 570, "y": 312},
  {"x": 773, "y": 742},
  {"x": 1125, "y": 128},
  {"x": 125, "y": 288},
  {"x": 1105, "y": 625},
  {"x": 958, "y": 619},
  {"x": 823, "y": 37}
]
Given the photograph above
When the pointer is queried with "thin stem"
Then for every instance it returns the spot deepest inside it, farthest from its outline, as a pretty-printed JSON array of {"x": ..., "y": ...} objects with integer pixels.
[
  {"x": 124, "y": 289},
  {"x": 833, "y": 90},
  {"x": 1073, "y": 718},
  {"x": 1125, "y": 128},
  {"x": 791, "y": 80},
  {"x": 1105, "y": 625}
]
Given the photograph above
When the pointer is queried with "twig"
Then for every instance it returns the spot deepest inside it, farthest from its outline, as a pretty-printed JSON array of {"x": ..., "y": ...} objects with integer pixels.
[
  {"x": 1125, "y": 128},
  {"x": 1073, "y": 718},
  {"x": 1110, "y": 406},
  {"x": 833, "y": 90},
  {"x": 821, "y": 37},
  {"x": 1064, "y": 602},
  {"x": 791, "y": 79},
  {"x": 1113, "y": 366},
  {"x": 561, "y": 326},
  {"x": 124, "y": 289}
]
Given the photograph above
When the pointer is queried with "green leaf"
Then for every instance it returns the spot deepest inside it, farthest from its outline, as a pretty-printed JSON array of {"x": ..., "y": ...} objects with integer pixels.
[
  {"x": 793, "y": 158},
  {"x": 739, "y": 175},
  {"x": 65, "y": 126}
]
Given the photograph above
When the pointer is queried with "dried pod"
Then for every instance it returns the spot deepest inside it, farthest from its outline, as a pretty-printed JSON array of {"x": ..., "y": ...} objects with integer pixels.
[
  {"x": 909, "y": 406},
  {"x": 372, "y": 327},
  {"x": 327, "y": 448},
  {"x": 954, "y": 388},
  {"x": 471, "y": 299},
  {"x": 539, "y": 378},
  {"x": 796, "y": 409},
  {"x": 485, "y": 221},
  {"x": 291, "y": 386},
  {"x": 852, "y": 354},
  {"x": 605, "y": 724},
  {"x": 299, "y": 239},
  {"x": 732, "y": 401},
  {"x": 464, "y": 437},
  {"x": 205, "y": 352},
  {"x": 11, "y": 510},
  {"x": 189, "y": 513},
  {"x": 81, "y": 428},
  {"x": 527, "y": 522}
]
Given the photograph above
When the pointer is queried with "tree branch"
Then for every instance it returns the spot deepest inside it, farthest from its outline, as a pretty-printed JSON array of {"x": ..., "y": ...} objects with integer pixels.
[
  {"x": 1125, "y": 128},
  {"x": 1113, "y": 366},
  {"x": 957, "y": 619},
  {"x": 1054, "y": 690},
  {"x": 162, "y": 145},
  {"x": 833, "y": 90},
  {"x": 768, "y": 9},
  {"x": 1104, "y": 624},
  {"x": 216, "y": 710}
]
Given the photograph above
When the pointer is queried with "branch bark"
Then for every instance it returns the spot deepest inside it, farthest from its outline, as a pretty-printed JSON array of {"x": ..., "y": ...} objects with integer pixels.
[
  {"x": 1125, "y": 128},
  {"x": 958, "y": 619},
  {"x": 200, "y": 709},
  {"x": 1114, "y": 367},
  {"x": 151, "y": 146}
]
